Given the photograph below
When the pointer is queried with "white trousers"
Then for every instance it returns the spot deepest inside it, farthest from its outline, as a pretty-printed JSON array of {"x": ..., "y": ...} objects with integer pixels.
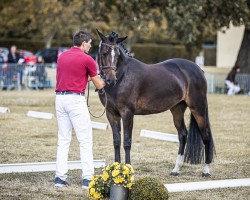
[
  {"x": 72, "y": 111},
  {"x": 232, "y": 88}
]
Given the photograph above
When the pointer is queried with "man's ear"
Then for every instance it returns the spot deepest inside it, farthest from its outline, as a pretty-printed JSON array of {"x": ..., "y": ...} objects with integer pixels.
[{"x": 84, "y": 43}]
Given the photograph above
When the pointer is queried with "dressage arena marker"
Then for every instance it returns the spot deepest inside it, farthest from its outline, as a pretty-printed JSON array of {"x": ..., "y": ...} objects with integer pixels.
[
  {"x": 44, "y": 115},
  {"x": 207, "y": 185},
  {"x": 43, "y": 166},
  {"x": 41, "y": 115},
  {"x": 98, "y": 125},
  {"x": 4, "y": 110},
  {"x": 159, "y": 135}
]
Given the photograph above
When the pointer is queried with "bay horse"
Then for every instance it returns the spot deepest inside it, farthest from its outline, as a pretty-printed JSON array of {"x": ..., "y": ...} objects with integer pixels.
[{"x": 135, "y": 88}]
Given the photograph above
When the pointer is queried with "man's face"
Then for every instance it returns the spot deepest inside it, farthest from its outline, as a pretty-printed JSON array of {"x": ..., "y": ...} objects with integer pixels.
[{"x": 86, "y": 46}]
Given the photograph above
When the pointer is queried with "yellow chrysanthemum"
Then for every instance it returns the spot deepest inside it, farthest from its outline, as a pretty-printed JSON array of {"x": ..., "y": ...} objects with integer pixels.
[
  {"x": 118, "y": 180},
  {"x": 91, "y": 184},
  {"x": 97, "y": 196},
  {"x": 125, "y": 170},
  {"x": 92, "y": 191},
  {"x": 115, "y": 173},
  {"x": 105, "y": 176},
  {"x": 107, "y": 168},
  {"x": 130, "y": 167},
  {"x": 117, "y": 166},
  {"x": 129, "y": 185},
  {"x": 132, "y": 178}
]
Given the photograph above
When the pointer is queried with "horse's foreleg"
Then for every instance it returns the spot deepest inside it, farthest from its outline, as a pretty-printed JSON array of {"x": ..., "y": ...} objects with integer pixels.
[
  {"x": 115, "y": 123},
  {"x": 178, "y": 117},
  {"x": 127, "y": 126}
]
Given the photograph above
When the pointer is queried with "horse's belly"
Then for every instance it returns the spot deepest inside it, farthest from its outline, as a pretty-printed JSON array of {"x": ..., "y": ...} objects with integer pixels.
[{"x": 146, "y": 107}]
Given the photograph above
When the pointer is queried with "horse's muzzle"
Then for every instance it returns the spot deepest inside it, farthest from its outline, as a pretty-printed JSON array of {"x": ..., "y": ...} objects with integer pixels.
[{"x": 110, "y": 81}]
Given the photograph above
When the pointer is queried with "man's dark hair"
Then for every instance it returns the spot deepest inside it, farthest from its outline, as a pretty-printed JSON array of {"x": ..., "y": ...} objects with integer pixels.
[{"x": 80, "y": 37}]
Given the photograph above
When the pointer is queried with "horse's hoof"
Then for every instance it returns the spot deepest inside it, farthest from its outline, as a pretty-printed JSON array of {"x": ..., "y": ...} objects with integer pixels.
[
  {"x": 206, "y": 175},
  {"x": 174, "y": 174}
]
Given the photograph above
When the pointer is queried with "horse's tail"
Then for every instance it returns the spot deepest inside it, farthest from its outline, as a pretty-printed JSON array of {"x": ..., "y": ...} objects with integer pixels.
[{"x": 194, "y": 152}]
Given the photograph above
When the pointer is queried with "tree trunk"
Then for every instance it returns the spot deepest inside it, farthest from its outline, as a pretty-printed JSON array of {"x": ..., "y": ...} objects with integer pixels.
[
  {"x": 48, "y": 39},
  {"x": 243, "y": 58}
]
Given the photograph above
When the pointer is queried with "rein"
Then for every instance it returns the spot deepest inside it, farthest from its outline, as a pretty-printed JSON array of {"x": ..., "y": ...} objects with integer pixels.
[
  {"x": 101, "y": 68},
  {"x": 106, "y": 102}
]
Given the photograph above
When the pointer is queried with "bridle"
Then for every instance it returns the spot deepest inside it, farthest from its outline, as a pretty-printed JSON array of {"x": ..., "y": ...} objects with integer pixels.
[
  {"x": 112, "y": 67},
  {"x": 101, "y": 68}
]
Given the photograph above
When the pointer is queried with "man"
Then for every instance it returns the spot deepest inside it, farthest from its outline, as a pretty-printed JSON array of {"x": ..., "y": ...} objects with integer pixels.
[
  {"x": 13, "y": 55},
  {"x": 73, "y": 69},
  {"x": 1, "y": 65},
  {"x": 14, "y": 58},
  {"x": 233, "y": 87}
]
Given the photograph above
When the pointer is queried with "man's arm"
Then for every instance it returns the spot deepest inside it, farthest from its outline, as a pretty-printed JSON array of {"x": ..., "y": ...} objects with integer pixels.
[{"x": 98, "y": 82}]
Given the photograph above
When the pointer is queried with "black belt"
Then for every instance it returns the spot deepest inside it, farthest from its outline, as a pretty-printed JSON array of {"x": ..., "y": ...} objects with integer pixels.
[{"x": 68, "y": 92}]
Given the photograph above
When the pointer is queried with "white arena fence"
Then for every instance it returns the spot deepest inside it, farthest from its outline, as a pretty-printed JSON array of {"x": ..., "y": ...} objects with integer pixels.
[
  {"x": 215, "y": 82},
  {"x": 20, "y": 76}
]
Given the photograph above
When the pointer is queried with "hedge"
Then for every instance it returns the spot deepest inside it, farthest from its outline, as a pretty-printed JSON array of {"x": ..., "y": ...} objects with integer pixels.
[
  {"x": 154, "y": 53},
  {"x": 147, "y": 53}
]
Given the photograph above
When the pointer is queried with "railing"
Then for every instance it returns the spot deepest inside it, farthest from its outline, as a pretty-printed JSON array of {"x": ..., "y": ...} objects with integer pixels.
[
  {"x": 244, "y": 81},
  {"x": 37, "y": 76},
  {"x": 216, "y": 82},
  {"x": 20, "y": 76}
]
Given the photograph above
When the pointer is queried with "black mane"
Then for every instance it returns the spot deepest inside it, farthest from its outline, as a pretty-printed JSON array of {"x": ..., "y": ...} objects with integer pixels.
[{"x": 125, "y": 50}]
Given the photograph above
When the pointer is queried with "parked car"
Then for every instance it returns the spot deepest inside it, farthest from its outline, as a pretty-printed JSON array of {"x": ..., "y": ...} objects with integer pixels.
[{"x": 50, "y": 55}]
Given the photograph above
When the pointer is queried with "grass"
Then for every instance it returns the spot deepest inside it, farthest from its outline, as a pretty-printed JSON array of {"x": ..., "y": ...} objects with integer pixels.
[{"x": 24, "y": 139}]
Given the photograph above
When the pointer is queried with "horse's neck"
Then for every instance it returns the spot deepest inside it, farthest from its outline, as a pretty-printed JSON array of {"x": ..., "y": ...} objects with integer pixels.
[{"x": 124, "y": 59}]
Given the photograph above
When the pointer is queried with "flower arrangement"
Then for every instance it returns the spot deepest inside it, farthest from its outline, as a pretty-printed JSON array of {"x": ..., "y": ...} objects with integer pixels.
[
  {"x": 119, "y": 174},
  {"x": 116, "y": 173},
  {"x": 98, "y": 188}
]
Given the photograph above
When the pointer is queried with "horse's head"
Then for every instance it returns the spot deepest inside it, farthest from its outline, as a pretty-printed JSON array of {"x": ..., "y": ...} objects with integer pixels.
[{"x": 108, "y": 56}]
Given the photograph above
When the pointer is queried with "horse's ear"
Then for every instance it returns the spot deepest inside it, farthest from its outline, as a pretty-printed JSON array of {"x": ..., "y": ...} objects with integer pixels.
[
  {"x": 119, "y": 40},
  {"x": 102, "y": 37}
]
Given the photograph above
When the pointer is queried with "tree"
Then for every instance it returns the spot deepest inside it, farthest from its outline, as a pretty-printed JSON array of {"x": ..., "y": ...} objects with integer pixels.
[
  {"x": 188, "y": 21},
  {"x": 193, "y": 20},
  {"x": 14, "y": 20},
  {"x": 131, "y": 18},
  {"x": 243, "y": 58},
  {"x": 45, "y": 20}
]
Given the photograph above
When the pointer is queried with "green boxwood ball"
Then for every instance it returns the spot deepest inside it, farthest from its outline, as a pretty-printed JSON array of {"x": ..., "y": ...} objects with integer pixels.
[{"x": 148, "y": 189}]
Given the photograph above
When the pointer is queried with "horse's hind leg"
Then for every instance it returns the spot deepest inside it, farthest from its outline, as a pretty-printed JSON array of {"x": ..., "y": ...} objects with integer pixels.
[
  {"x": 178, "y": 117},
  {"x": 202, "y": 119}
]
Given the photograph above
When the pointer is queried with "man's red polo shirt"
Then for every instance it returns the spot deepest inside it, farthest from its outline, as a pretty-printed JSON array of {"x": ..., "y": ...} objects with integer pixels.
[{"x": 73, "y": 68}]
